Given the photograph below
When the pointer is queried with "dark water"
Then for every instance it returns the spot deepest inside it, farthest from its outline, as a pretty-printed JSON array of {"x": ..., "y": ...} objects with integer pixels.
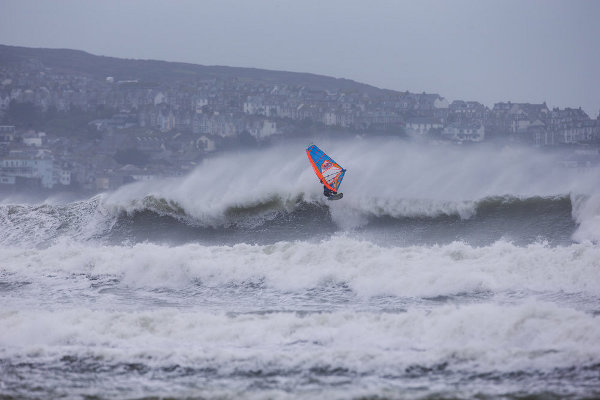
[{"x": 512, "y": 219}]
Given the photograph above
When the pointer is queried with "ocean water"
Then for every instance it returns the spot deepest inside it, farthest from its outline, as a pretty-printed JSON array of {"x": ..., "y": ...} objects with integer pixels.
[{"x": 443, "y": 273}]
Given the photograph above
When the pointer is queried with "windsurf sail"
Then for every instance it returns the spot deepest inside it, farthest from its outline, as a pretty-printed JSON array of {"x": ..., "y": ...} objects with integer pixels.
[{"x": 329, "y": 172}]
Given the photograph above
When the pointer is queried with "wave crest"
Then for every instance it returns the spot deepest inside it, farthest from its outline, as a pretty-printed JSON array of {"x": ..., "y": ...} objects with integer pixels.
[{"x": 101, "y": 218}]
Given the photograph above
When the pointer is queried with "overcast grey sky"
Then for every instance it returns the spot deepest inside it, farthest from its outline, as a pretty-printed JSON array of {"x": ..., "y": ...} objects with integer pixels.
[{"x": 484, "y": 50}]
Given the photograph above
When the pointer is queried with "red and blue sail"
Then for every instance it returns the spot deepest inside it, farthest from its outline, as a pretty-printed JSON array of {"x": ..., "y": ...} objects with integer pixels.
[{"x": 329, "y": 172}]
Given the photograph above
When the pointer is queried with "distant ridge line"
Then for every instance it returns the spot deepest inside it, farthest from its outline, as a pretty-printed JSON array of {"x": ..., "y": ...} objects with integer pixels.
[{"x": 79, "y": 61}]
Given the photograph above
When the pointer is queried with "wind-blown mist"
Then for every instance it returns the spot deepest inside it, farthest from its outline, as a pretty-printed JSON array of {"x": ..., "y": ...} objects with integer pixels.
[{"x": 385, "y": 178}]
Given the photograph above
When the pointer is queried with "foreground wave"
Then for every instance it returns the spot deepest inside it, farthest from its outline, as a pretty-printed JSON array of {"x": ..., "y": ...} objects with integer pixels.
[{"x": 389, "y": 354}]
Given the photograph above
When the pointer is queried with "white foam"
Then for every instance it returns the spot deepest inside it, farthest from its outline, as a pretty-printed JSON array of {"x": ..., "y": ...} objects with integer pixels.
[
  {"x": 586, "y": 212},
  {"x": 368, "y": 269},
  {"x": 33, "y": 224},
  {"x": 483, "y": 337}
]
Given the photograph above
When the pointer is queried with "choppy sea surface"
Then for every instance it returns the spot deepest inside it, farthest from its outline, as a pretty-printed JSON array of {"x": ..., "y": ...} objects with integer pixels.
[{"x": 442, "y": 273}]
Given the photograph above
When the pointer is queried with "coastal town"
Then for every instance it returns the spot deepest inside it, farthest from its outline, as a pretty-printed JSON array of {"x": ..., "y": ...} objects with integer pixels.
[{"x": 69, "y": 130}]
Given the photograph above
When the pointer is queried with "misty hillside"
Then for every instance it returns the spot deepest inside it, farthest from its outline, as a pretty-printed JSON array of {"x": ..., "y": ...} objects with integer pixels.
[{"x": 160, "y": 71}]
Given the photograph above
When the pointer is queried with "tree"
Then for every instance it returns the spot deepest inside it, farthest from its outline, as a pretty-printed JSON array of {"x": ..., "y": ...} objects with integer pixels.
[
  {"x": 23, "y": 114},
  {"x": 131, "y": 156},
  {"x": 246, "y": 139}
]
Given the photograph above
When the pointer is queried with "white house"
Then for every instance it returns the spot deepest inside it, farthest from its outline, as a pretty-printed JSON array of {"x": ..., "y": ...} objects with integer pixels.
[
  {"x": 199, "y": 104},
  {"x": 160, "y": 98},
  {"x": 421, "y": 126},
  {"x": 33, "y": 139},
  {"x": 205, "y": 143},
  {"x": 464, "y": 132},
  {"x": 27, "y": 167},
  {"x": 267, "y": 128},
  {"x": 330, "y": 118}
]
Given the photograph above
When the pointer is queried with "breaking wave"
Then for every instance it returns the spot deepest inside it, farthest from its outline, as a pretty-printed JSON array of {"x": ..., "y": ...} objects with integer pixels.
[
  {"x": 388, "y": 184},
  {"x": 94, "y": 219},
  {"x": 571, "y": 217}
]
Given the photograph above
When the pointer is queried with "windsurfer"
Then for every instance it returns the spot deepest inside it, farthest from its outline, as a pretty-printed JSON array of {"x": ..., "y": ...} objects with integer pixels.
[{"x": 329, "y": 173}]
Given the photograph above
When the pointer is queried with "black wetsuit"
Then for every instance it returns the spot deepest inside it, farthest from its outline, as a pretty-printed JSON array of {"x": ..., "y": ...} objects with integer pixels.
[{"x": 327, "y": 192}]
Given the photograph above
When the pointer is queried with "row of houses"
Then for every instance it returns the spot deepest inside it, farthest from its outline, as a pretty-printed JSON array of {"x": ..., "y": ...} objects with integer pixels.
[
  {"x": 528, "y": 123},
  {"x": 229, "y": 107},
  {"x": 34, "y": 160},
  {"x": 34, "y": 169}
]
